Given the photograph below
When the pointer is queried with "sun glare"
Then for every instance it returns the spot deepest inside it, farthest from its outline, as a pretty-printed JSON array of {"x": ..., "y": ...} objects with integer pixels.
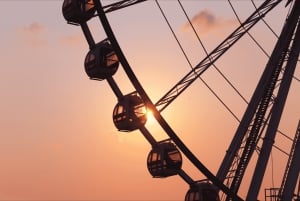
[{"x": 150, "y": 117}]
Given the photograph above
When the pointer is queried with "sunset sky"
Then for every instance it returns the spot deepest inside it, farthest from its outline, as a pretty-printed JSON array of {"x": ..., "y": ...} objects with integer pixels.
[{"x": 57, "y": 137}]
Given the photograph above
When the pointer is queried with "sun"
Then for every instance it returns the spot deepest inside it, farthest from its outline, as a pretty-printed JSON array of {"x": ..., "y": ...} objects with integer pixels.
[{"x": 150, "y": 117}]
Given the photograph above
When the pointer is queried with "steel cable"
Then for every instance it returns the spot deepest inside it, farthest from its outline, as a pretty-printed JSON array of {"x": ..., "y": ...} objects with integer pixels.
[
  {"x": 187, "y": 59},
  {"x": 260, "y": 47},
  {"x": 272, "y": 30}
]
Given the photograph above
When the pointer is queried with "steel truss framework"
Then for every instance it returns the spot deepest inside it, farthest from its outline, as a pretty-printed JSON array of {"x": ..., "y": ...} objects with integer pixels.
[{"x": 264, "y": 105}]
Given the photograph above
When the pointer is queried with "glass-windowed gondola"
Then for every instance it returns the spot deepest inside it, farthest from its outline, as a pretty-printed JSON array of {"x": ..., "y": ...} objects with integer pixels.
[
  {"x": 164, "y": 160},
  {"x": 202, "y": 191},
  {"x": 130, "y": 113},
  {"x": 78, "y": 11},
  {"x": 101, "y": 61}
]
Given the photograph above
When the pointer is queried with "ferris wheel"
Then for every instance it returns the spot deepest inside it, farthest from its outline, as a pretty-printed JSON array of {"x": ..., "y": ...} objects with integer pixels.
[{"x": 258, "y": 126}]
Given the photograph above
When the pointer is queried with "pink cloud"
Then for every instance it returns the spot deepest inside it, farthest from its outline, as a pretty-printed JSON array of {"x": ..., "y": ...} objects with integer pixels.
[
  {"x": 205, "y": 21},
  {"x": 34, "y": 28},
  {"x": 33, "y": 34}
]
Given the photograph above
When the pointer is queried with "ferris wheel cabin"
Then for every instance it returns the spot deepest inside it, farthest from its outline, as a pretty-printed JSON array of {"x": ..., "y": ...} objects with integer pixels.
[
  {"x": 164, "y": 160},
  {"x": 101, "y": 61},
  {"x": 78, "y": 11},
  {"x": 202, "y": 191},
  {"x": 130, "y": 113}
]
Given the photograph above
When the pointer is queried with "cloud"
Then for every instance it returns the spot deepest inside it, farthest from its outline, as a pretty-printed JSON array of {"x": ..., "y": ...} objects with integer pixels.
[
  {"x": 33, "y": 34},
  {"x": 205, "y": 21},
  {"x": 36, "y": 35},
  {"x": 34, "y": 28}
]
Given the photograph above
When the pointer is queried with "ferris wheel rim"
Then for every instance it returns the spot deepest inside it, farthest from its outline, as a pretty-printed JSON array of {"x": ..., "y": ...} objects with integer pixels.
[{"x": 138, "y": 87}]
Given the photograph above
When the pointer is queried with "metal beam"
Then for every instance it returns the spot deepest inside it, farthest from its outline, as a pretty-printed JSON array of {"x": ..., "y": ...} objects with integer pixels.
[{"x": 120, "y": 4}]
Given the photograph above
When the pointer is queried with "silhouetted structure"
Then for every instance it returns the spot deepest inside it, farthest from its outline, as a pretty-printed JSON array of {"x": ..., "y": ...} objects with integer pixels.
[
  {"x": 202, "y": 191},
  {"x": 101, "y": 61},
  {"x": 165, "y": 159},
  {"x": 263, "y": 111},
  {"x": 130, "y": 113},
  {"x": 78, "y": 11}
]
